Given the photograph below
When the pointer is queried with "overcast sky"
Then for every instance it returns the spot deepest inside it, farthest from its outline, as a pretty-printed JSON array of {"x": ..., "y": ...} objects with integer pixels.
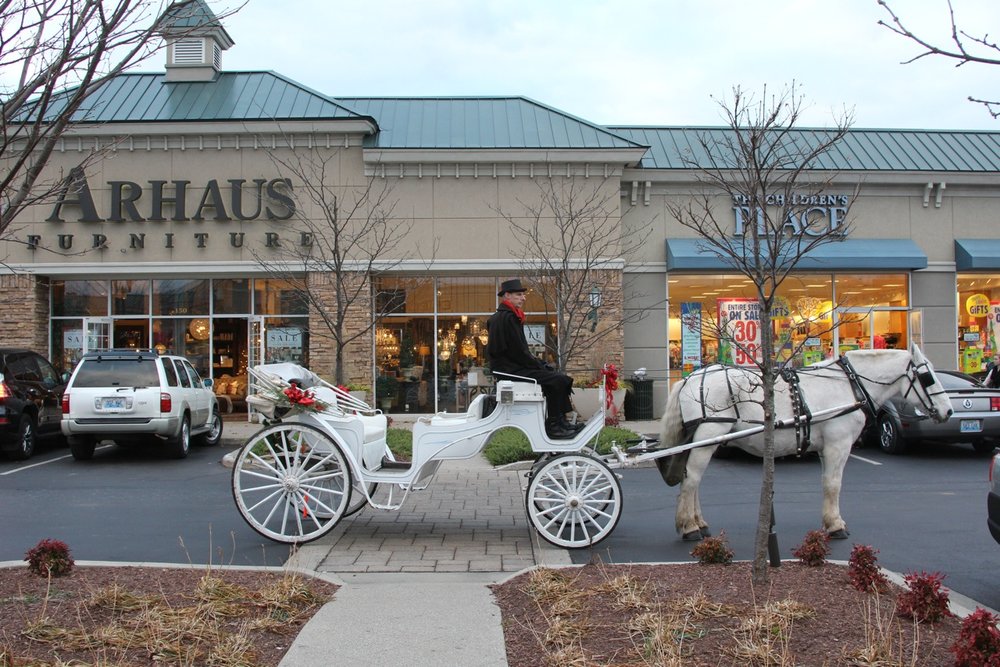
[{"x": 628, "y": 62}]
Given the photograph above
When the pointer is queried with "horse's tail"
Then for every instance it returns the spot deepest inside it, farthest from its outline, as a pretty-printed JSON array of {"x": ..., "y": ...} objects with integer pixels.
[{"x": 672, "y": 468}]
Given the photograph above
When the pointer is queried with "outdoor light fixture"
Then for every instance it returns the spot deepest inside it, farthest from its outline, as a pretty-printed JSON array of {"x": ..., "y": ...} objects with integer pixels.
[{"x": 596, "y": 298}]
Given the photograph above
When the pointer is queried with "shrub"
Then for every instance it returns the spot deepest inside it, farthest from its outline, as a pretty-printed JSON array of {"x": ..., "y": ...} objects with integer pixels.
[
  {"x": 49, "y": 558},
  {"x": 814, "y": 548},
  {"x": 864, "y": 570},
  {"x": 713, "y": 550},
  {"x": 400, "y": 441},
  {"x": 508, "y": 445},
  {"x": 925, "y": 600},
  {"x": 978, "y": 643}
]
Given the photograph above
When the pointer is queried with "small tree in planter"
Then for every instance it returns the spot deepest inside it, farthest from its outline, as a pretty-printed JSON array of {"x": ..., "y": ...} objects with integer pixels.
[{"x": 386, "y": 387}]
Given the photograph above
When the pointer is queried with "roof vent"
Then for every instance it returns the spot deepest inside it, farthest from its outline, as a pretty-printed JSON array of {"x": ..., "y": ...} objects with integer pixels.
[{"x": 195, "y": 42}]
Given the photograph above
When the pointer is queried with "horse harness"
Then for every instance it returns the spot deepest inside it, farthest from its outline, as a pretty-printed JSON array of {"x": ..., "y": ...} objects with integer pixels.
[{"x": 801, "y": 413}]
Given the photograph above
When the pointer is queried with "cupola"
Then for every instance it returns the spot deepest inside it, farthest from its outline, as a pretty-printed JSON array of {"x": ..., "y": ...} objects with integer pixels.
[{"x": 195, "y": 41}]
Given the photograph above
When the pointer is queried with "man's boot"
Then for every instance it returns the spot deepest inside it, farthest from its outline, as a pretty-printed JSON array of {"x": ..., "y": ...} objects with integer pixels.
[{"x": 555, "y": 429}]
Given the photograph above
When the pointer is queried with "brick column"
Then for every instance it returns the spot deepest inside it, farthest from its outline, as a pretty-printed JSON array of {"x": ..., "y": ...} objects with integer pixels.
[{"x": 24, "y": 312}]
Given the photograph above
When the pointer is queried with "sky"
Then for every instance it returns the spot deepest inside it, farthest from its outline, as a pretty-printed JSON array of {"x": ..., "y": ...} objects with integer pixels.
[{"x": 646, "y": 62}]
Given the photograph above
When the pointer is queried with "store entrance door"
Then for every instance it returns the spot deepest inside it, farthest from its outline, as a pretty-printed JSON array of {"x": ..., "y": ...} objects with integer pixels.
[{"x": 98, "y": 334}]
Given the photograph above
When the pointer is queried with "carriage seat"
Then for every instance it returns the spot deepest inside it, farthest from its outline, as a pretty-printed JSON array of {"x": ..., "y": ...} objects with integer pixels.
[{"x": 375, "y": 426}]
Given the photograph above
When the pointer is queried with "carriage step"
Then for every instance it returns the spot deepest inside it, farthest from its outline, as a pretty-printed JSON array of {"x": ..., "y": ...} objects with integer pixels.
[{"x": 389, "y": 464}]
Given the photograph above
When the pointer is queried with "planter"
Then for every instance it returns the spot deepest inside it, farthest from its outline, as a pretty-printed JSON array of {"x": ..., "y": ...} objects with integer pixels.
[
  {"x": 360, "y": 395},
  {"x": 589, "y": 400}
]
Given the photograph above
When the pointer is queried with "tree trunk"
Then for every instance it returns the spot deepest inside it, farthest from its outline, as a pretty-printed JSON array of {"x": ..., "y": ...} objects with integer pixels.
[{"x": 760, "y": 560}]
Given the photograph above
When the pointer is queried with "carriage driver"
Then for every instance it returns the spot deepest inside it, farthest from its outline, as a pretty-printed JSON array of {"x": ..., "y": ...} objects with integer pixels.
[{"x": 508, "y": 352}]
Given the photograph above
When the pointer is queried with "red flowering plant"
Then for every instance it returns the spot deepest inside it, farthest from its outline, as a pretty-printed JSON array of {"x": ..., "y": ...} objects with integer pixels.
[
  {"x": 302, "y": 399},
  {"x": 610, "y": 376}
]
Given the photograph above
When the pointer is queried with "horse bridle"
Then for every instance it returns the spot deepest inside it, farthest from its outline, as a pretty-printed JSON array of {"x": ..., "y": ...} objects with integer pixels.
[{"x": 925, "y": 378}]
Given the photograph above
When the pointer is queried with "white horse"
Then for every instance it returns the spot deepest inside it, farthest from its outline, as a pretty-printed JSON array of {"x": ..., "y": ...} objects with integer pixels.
[{"x": 721, "y": 399}]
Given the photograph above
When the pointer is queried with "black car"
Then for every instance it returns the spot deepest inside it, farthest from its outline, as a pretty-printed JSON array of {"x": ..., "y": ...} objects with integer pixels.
[
  {"x": 30, "y": 401},
  {"x": 975, "y": 420}
]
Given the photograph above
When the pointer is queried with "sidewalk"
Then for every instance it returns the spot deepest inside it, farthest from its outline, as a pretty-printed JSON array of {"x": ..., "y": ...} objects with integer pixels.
[{"x": 414, "y": 582}]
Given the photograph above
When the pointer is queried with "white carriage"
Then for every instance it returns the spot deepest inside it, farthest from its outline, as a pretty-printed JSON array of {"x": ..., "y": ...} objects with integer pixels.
[{"x": 307, "y": 469}]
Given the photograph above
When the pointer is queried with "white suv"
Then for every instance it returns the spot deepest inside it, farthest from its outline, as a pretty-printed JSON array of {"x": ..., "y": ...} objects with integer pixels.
[{"x": 138, "y": 396}]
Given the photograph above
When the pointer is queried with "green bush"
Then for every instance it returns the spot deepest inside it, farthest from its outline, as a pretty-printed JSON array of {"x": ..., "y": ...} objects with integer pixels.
[{"x": 509, "y": 445}]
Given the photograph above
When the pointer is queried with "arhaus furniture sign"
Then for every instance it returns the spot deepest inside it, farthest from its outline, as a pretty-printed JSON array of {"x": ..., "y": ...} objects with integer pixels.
[{"x": 176, "y": 201}]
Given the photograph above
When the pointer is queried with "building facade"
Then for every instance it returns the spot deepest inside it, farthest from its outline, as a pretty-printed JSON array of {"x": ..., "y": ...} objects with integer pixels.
[{"x": 211, "y": 212}]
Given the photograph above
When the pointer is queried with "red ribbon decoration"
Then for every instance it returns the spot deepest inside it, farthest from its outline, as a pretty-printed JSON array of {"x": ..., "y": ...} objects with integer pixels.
[
  {"x": 299, "y": 397},
  {"x": 610, "y": 375}
]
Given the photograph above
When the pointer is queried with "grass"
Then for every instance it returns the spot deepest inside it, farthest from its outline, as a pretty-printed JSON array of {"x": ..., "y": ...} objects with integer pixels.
[{"x": 509, "y": 445}]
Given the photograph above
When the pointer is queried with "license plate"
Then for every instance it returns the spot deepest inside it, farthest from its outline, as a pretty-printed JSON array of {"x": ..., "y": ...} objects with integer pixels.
[
  {"x": 116, "y": 403},
  {"x": 971, "y": 426}
]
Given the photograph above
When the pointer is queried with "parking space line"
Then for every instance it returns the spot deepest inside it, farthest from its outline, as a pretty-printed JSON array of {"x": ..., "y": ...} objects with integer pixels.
[
  {"x": 41, "y": 463},
  {"x": 861, "y": 458}
]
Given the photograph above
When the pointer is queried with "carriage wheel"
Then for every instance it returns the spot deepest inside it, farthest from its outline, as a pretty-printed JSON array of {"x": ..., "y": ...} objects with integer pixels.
[
  {"x": 292, "y": 483},
  {"x": 574, "y": 501},
  {"x": 358, "y": 499}
]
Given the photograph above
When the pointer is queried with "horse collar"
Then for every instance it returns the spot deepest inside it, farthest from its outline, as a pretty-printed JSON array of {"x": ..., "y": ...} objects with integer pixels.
[{"x": 860, "y": 393}]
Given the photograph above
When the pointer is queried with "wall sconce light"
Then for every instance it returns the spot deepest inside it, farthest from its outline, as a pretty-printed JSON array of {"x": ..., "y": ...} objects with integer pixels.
[{"x": 596, "y": 298}]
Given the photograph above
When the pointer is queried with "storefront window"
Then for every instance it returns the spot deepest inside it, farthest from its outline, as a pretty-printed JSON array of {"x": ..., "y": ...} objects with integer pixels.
[
  {"x": 80, "y": 297},
  {"x": 815, "y": 317},
  {"x": 279, "y": 297},
  {"x": 130, "y": 297},
  {"x": 286, "y": 339},
  {"x": 978, "y": 320},
  {"x": 231, "y": 296},
  {"x": 430, "y": 343},
  {"x": 180, "y": 297}
]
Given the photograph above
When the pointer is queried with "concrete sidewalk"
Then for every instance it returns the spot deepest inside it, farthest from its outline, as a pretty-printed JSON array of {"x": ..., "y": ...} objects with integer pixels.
[{"x": 414, "y": 582}]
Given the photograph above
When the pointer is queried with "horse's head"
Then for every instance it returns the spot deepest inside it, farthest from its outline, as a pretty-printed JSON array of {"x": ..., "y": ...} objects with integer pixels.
[{"x": 926, "y": 390}]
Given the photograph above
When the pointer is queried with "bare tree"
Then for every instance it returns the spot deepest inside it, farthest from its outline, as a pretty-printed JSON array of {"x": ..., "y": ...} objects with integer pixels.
[
  {"x": 348, "y": 235},
  {"x": 54, "y": 54},
  {"x": 768, "y": 168},
  {"x": 965, "y": 48},
  {"x": 571, "y": 240}
]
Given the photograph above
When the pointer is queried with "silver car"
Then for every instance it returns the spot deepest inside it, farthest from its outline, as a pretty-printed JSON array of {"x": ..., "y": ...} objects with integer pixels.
[
  {"x": 993, "y": 498},
  {"x": 138, "y": 397},
  {"x": 976, "y": 418}
]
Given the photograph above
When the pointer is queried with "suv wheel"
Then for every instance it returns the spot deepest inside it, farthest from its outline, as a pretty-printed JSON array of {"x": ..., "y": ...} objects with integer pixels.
[
  {"x": 82, "y": 449},
  {"x": 179, "y": 446},
  {"x": 213, "y": 435},
  {"x": 25, "y": 439}
]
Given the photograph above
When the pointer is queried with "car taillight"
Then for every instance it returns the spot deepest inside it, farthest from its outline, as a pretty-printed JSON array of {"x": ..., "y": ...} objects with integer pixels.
[
  {"x": 65, "y": 404},
  {"x": 993, "y": 464},
  {"x": 994, "y": 403},
  {"x": 165, "y": 403},
  {"x": 4, "y": 392}
]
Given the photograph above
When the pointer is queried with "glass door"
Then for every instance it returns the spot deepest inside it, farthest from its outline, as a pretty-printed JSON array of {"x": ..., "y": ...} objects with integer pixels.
[
  {"x": 255, "y": 353},
  {"x": 98, "y": 334}
]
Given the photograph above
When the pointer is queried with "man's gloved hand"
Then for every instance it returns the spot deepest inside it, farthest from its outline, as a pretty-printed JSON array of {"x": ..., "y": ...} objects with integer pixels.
[{"x": 549, "y": 366}]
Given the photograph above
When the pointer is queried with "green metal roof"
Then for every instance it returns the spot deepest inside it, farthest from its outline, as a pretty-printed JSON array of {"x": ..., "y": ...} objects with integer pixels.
[
  {"x": 193, "y": 17},
  {"x": 233, "y": 96},
  {"x": 859, "y": 150},
  {"x": 479, "y": 122}
]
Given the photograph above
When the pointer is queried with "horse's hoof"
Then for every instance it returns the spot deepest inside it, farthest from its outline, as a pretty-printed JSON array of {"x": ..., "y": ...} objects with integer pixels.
[
  {"x": 693, "y": 536},
  {"x": 705, "y": 532},
  {"x": 838, "y": 534}
]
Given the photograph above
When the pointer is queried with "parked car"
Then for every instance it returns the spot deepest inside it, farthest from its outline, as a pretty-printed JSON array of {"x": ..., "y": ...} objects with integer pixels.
[
  {"x": 31, "y": 392},
  {"x": 976, "y": 418},
  {"x": 993, "y": 498},
  {"x": 143, "y": 397}
]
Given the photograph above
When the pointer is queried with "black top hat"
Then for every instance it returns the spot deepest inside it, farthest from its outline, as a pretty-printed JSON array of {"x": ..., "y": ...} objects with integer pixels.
[{"x": 511, "y": 286}]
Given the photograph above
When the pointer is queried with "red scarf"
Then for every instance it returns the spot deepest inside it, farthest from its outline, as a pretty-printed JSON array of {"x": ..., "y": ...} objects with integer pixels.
[{"x": 517, "y": 311}]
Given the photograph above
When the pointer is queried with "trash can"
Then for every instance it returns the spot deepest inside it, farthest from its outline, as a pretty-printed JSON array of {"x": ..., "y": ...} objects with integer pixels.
[{"x": 639, "y": 401}]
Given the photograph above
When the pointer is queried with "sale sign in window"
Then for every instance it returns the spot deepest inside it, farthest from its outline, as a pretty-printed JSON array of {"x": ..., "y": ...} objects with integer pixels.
[{"x": 739, "y": 323}]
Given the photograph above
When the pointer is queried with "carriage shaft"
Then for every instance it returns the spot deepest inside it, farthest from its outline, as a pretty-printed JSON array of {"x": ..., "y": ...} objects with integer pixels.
[{"x": 624, "y": 460}]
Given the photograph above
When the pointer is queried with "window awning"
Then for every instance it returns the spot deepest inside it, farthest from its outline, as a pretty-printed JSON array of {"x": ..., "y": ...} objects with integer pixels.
[
  {"x": 846, "y": 255},
  {"x": 977, "y": 254}
]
